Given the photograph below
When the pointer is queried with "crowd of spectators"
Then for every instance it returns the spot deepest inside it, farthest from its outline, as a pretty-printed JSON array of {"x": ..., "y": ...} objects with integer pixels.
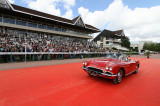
[{"x": 45, "y": 43}]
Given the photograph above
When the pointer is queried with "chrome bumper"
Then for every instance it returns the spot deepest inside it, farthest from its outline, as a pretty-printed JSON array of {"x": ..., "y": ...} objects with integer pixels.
[
  {"x": 84, "y": 68},
  {"x": 109, "y": 75}
]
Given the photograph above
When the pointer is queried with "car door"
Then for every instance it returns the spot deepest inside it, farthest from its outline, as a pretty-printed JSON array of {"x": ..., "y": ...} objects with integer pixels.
[
  {"x": 129, "y": 64},
  {"x": 134, "y": 66},
  {"x": 126, "y": 64}
]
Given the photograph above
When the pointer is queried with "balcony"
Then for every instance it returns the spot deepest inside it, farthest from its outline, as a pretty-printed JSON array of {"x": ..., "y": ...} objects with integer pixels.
[
  {"x": 71, "y": 34},
  {"x": 117, "y": 41}
]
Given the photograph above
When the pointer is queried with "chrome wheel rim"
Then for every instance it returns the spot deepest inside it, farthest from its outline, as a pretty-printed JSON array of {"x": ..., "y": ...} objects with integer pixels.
[
  {"x": 137, "y": 69},
  {"x": 119, "y": 76}
]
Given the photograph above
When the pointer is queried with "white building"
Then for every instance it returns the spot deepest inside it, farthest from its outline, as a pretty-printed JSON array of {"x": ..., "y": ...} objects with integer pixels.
[
  {"x": 110, "y": 39},
  {"x": 134, "y": 46},
  {"x": 140, "y": 45}
]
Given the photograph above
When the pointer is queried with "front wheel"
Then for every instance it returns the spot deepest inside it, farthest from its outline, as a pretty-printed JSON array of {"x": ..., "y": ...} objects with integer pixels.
[
  {"x": 135, "y": 72},
  {"x": 90, "y": 74},
  {"x": 118, "y": 79}
]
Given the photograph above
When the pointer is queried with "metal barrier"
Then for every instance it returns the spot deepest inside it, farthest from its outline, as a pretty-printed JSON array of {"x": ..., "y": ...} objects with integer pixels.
[{"x": 39, "y": 56}]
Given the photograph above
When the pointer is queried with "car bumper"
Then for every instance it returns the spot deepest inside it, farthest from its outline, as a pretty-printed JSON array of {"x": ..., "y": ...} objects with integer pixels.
[{"x": 105, "y": 75}]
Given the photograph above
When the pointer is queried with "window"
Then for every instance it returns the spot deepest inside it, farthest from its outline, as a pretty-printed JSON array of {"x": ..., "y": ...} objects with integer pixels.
[
  {"x": 58, "y": 28},
  {"x": 0, "y": 30},
  {"x": 101, "y": 39},
  {"x": 20, "y": 22},
  {"x": 42, "y": 26},
  {"x": 107, "y": 42},
  {"x": 6, "y": 19},
  {"x": 32, "y": 24},
  {"x": 50, "y": 27},
  {"x": 110, "y": 38},
  {"x": 107, "y": 38},
  {"x": 101, "y": 45},
  {"x": 12, "y": 21},
  {"x": 110, "y": 42},
  {"x": 64, "y": 29},
  {"x": 0, "y": 17}
]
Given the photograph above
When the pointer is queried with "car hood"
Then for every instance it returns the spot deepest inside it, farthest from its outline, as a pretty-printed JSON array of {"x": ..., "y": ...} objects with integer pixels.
[{"x": 104, "y": 62}]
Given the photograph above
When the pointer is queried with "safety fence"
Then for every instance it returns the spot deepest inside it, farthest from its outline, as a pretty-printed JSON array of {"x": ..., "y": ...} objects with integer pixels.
[{"x": 6, "y": 57}]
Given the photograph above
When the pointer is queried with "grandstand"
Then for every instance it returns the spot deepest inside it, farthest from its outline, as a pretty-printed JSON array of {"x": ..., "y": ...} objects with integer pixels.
[{"x": 26, "y": 30}]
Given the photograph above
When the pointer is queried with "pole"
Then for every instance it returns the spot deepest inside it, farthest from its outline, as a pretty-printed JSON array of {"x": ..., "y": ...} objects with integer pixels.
[{"x": 25, "y": 53}]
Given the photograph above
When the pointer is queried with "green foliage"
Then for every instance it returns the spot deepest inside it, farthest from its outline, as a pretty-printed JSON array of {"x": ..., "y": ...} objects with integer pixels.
[
  {"x": 125, "y": 42},
  {"x": 147, "y": 54},
  {"x": 152, "y": 47},
  {"x": 114, "y": 48},
  {"x": 134, "y": 49},
  {"x": 131, "y": 53}
]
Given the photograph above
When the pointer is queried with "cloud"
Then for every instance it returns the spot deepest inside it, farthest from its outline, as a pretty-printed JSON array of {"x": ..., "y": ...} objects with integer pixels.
[
  {"x": 53, "y": 6},
  {"x": 139, "y": 24},
  {"x": 11, "y": 1}
]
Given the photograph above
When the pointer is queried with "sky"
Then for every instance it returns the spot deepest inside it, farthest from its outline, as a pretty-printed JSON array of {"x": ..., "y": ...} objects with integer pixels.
[{"x": 140, "y": 19}]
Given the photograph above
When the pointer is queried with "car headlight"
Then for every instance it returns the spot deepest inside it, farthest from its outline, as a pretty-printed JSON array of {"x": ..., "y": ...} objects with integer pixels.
[
  {"x": 85, "y": 63},
  {"x": 107, "y": 68},
  {"x": 110, "y": 68}
]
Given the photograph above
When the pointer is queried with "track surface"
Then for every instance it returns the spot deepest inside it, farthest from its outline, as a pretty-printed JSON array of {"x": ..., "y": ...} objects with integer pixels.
[{"x": 68, "y": 84}]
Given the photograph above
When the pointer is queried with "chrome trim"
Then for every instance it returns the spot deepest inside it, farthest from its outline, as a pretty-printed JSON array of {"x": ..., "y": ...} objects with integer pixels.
[
  {"x": 109, "y": 72},
  {"x": 130, "y": 73},
  {"x": 84, "y": 68},
  {"x": 103, "y": 72},
  {"x": 109, "y": 75}
]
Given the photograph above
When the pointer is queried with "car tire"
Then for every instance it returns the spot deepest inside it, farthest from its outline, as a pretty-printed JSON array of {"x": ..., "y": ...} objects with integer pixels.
[
  {"x": 89, "y": 74},
  {"x": 135, "y": 72},
  {"x": 118, "y": 79}
]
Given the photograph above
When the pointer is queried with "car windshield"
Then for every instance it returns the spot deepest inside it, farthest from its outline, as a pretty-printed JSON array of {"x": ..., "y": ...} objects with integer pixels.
[
  {"x": 117, "y": 56},
  {"x": 123, "y": 57},
  {"x": 112, "y": 56}
]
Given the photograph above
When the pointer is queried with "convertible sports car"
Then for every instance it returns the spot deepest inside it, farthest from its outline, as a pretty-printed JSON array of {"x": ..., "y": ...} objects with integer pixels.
[{"x": 114, "y": 66}]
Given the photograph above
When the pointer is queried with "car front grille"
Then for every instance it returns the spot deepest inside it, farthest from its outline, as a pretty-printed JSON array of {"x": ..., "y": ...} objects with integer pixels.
[
  {"x": 92, "y": 69},
  {"x": 109, "y": 73}
]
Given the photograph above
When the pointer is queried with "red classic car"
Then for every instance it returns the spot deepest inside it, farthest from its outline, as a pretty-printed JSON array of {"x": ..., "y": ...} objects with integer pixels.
[{"x": 114, "y": 66}]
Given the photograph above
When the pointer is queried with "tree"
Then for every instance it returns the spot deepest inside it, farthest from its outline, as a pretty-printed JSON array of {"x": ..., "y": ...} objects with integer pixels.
[
  {"x": 125, "y": 42},
  {"x": 157, "y": 48},
  {"x": 145, "y": 46},
  {"x": 147, "y": 54},
  {"x": 152, "y": 47}
]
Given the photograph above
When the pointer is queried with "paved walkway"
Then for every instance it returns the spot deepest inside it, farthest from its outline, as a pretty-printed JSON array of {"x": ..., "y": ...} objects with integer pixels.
[
  {"x": 153, "y": 56},
  {"x": 8, "y": 66}
]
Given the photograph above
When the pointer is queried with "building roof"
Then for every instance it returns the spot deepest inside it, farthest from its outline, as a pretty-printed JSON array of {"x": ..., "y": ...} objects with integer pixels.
[
  {"x": 75, "y": 19},
  {"x": 118, "y": 32},
  {"x": 108, "y": 33},
  {"x": 49, "y": 16}
]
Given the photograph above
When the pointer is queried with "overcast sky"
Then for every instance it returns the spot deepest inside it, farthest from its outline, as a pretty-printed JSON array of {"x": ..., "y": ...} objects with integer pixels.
[{"x": 140, "y": 19}]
